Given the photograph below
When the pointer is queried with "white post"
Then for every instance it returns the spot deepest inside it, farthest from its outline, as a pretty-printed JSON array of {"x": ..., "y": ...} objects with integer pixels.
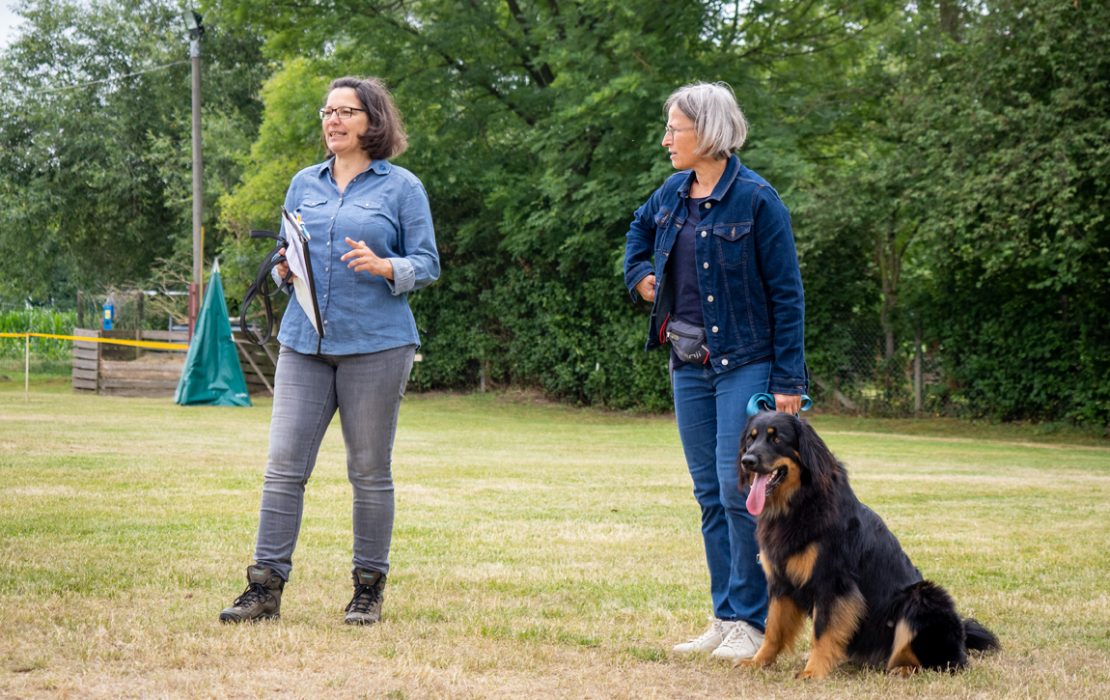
[
  {"x": 918, "y": 376},
  {"x": 27, "y": 367}
]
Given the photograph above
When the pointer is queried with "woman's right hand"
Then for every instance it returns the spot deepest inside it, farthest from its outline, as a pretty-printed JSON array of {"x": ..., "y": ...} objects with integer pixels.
[
  {"x": 646, "y": 288},
  {"x": 282, "y": 267}
]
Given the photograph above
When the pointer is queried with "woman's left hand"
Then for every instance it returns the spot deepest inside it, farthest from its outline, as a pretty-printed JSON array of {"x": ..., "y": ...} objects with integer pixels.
[
  {"x": 361, "y": 259},
  {"x": 788, "y": 403}
]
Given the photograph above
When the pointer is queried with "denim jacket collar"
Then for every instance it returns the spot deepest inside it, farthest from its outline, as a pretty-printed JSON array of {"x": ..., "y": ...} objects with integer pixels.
[{"x": 732, "y": 169}]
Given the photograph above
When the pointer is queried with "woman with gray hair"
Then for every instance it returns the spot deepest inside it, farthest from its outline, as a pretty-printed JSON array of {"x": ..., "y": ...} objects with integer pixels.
[{"x": 712, "y": 250}]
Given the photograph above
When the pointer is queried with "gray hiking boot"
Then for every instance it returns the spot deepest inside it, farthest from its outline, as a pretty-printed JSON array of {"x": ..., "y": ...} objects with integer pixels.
[
  {"x": 366, "y": 607},
  {"x": 261, "y": 600}
]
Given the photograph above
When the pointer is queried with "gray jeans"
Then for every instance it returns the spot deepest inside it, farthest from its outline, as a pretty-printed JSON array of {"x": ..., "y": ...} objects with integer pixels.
[{"x": 308, "y": 389}]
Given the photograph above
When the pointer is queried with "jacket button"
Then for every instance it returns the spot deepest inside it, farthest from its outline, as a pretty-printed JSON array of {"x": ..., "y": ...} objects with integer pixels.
[
  {"x": 708, "y": 205},
  {"x": 704, "y": 234},
  {"x": 709, "y": 298},
  {"x": 724, "y": 361},
  {"x": 715, "y": 329},
  {"x": 705, "y": 266}
]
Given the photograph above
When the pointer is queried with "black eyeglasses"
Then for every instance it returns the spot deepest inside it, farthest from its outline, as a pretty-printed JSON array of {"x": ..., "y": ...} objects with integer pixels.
[{"x": 344, "y": 113}]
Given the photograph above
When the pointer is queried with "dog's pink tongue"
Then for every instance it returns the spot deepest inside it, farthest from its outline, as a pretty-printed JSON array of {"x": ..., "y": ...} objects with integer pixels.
[{"x": 757, "y": 496}]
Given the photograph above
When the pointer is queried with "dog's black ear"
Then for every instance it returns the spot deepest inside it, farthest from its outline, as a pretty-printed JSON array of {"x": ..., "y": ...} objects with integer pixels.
[{"x": 815, "y": 454}]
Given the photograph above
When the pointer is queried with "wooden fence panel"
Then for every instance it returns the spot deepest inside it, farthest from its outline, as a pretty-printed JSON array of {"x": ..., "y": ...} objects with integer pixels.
[
  {"x": 86, "y": 361},
  {"x": 128, "y": 371}
]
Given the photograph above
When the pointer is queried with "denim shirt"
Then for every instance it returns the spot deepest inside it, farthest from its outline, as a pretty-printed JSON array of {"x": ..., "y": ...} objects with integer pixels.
[
  {"x": 385, "y": 206},
  {"x": 752, "y": 300}
]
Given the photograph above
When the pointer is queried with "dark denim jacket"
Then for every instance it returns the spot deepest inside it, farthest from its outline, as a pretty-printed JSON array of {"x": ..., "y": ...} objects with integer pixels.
[{"x": 747, "y": 265}]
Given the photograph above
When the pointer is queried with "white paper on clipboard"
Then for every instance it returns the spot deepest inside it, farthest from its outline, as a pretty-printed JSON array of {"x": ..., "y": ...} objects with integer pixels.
[{"x": 300, "y": 265}]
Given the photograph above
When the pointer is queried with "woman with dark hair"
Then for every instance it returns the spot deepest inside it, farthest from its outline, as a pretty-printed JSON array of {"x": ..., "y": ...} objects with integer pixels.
[
  {"x": 712, "y": 249},
  {"x": 372, "y": 243}
]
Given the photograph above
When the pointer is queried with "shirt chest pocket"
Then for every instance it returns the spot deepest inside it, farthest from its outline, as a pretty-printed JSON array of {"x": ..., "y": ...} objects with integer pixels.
[
  {"x": 662, "y": 218},
  {"x": 731, "y": 244},
  {"x": 367, "y": 214},
  {"x": 312, "y": 211},
  {"x": 664, "y": 239}
]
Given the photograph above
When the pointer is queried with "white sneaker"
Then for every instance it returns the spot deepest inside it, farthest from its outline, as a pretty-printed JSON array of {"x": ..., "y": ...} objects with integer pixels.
[
  {"x": 709, "y": 640},
  {"x": 742, "y": 642}
]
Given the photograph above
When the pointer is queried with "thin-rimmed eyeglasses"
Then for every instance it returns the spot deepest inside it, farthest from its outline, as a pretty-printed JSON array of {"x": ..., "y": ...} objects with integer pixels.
[{"x": 344, "y": 113}]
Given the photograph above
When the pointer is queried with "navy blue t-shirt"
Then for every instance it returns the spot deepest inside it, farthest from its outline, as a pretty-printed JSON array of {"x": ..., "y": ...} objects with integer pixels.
[{"x": 684, "y": 270}]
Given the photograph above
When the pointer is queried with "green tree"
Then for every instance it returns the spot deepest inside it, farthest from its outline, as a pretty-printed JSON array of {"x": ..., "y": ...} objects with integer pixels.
[
  {"x": 1018, "y": 247},
  {"x": 969, "y": 190},
  {"x": 536, "y": 129},
  {"x": 95, "y": 163},
  {"x": 863, "y": 217}
]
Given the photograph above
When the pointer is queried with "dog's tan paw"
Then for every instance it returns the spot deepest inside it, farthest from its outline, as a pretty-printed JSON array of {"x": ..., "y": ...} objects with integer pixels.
[
  {"x": 754, "y": 662},
  {"x": 812, "y": 674}
]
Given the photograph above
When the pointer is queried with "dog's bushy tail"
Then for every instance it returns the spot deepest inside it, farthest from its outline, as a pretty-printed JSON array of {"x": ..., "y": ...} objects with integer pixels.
[{"x": 978, "y": 637}]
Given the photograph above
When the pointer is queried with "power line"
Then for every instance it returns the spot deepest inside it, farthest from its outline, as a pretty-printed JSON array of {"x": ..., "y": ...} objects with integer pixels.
[{"x": 113, "y": 79}]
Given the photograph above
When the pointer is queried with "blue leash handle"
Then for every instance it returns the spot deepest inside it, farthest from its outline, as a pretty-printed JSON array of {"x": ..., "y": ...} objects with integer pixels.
[{"x": 766, "y": 402}]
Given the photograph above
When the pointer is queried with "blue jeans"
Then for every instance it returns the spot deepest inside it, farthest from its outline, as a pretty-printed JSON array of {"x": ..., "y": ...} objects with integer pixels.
[
  {"x": 710, "y": 411},
  {"x": 308, "y": 390}
]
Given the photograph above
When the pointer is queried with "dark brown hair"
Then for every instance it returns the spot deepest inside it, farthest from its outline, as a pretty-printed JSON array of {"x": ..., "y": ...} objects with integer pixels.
[{"x": 385, "y": 135}]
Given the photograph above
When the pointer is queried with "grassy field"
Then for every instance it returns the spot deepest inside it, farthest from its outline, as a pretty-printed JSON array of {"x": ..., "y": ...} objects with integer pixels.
[{"x": 539, "y": 551}]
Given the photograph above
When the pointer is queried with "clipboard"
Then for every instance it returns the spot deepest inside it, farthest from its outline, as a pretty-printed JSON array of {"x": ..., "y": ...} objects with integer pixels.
[{"x": 300, "y": 265}]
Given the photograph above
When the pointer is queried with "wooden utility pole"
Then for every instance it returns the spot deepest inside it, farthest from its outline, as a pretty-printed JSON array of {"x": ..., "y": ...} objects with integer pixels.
[{"x": 196, "y": 289}]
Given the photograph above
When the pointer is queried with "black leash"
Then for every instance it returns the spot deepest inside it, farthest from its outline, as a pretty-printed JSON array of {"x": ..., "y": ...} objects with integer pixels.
[{"x": 263, "y": 287}]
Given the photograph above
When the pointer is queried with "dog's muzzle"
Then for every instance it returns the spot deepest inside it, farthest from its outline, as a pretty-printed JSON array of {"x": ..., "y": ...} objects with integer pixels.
[{"x": 763, "y": 482}]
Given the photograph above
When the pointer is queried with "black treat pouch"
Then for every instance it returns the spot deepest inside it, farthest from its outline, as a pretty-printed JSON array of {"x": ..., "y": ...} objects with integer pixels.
[{"x": 687, "y": 340}]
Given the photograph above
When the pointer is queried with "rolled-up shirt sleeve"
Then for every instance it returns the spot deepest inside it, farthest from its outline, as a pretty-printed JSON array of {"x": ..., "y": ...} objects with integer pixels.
[{"x": 419, "y": 264}]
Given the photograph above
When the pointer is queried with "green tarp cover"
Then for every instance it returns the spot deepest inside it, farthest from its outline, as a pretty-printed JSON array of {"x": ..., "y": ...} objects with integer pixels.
[{"x": 212, "y": 374}]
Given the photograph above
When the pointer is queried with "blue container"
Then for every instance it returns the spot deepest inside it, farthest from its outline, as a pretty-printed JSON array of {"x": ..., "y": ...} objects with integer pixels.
[{"x": 109, "y": 313}]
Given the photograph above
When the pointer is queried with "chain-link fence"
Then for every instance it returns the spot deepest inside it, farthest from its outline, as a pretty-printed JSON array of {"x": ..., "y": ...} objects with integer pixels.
[
  {"x": 850, "y": 370},
  {"x": 132, "y": 309},
  {"x": 118, "y": 310},
  {"x": 855, "y": 372}
]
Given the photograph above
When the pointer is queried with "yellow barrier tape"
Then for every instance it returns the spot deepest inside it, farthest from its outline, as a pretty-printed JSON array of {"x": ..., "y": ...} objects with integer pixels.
[{"x": 151, "y": 344}]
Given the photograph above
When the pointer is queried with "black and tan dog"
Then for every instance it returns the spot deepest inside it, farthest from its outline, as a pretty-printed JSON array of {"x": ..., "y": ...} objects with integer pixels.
[{"x": 829, "y": 557}]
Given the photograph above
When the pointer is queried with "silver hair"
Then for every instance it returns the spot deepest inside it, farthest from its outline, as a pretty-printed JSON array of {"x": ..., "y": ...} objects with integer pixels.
[{"x": 718, "y": 121}]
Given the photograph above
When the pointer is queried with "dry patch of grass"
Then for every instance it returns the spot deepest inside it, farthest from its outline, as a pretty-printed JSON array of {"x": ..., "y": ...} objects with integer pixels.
[{"x": 540, "y": 551}]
